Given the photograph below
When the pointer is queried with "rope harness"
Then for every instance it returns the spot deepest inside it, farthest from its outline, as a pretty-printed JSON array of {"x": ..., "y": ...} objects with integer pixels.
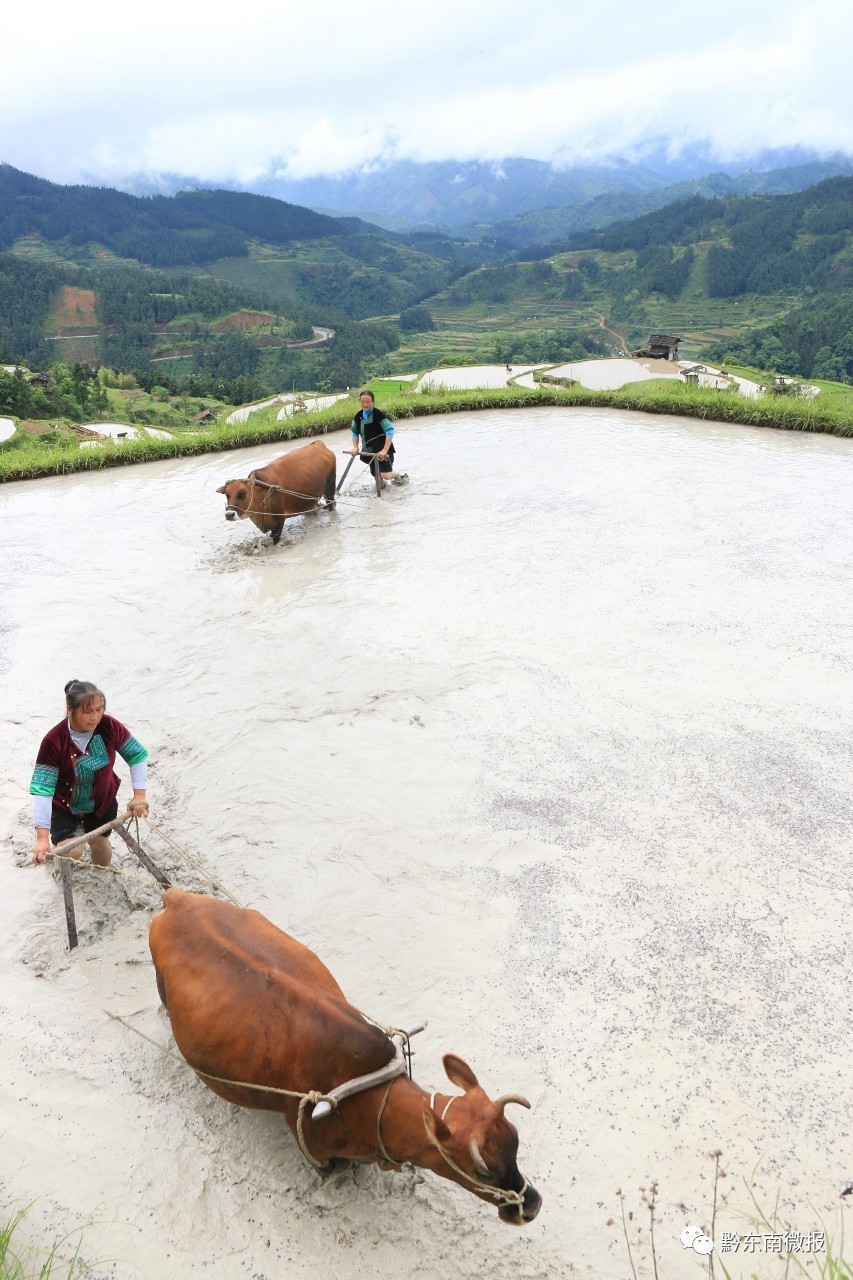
[
  {"x": 307, "y": 1098},
  {"x": 291, "y": 493},
  {"x": 195, "y": 862},
  {"x": 503, "y": 1198}
]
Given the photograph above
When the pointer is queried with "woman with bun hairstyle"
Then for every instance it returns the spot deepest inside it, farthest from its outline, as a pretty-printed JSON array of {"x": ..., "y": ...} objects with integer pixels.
[{"x": 73, "y": 782}]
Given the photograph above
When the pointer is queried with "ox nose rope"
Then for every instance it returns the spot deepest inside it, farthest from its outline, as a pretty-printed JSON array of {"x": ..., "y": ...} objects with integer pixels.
[{"x": 504, "y": 1198}]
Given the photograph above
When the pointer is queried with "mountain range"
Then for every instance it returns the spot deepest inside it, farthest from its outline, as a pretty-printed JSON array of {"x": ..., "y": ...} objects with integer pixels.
[
  {"x": 470, "y": 195},
  {"x": 712, "y": 266}
]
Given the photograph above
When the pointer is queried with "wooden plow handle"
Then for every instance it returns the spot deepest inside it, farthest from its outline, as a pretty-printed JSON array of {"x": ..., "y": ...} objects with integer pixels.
[
  {"x": 62, "y": 851},
  {"x": 67, "y": 845}
]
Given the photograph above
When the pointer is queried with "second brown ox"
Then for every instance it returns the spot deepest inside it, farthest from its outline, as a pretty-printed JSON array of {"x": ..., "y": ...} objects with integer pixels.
[
  {"x": 288, "y": 486},
  {"x": 252, "y": 1006}
]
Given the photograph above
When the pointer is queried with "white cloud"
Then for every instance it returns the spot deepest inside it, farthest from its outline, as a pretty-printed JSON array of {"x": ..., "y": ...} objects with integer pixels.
[{"x": 230, "y": 94}]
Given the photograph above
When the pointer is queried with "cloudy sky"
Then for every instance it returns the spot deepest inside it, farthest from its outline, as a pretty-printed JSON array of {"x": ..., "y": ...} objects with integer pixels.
[{"x": 98, "y": 91}]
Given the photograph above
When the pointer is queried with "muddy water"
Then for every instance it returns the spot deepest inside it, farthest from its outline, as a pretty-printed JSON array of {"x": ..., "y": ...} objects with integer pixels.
[{"x": 550, "y": 746}]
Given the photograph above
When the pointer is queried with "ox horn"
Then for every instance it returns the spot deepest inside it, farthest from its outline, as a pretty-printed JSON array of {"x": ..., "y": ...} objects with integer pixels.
[
  {"x": 512, "y": 1097},
  {"x": 479, "y": 1163}
]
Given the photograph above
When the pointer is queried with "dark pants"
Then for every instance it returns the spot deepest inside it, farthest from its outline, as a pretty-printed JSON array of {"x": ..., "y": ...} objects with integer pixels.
[
  {"x": 384, "y": 464},
  {"x": 64, "y": 825}
]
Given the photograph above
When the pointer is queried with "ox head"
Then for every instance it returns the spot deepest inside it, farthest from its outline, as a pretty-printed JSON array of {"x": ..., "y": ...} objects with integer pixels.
[
  {"x": 477, "y": 1141},
  {"x": 238, "y": 498}
]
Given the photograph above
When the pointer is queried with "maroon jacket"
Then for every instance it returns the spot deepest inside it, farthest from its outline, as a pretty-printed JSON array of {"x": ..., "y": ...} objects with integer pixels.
[{"x": 78, "y": 781}]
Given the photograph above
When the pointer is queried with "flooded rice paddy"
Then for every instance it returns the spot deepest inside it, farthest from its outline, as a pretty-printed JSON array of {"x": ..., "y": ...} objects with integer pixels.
[{"x": 550, "y": 746}]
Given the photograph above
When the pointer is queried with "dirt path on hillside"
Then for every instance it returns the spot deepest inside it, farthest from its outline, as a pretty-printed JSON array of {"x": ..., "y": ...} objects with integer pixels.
[{"x": 623, "y": 342}]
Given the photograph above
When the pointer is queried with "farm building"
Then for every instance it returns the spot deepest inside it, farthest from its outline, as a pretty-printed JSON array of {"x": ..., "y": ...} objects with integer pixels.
[{"x": 661, "y": 346}]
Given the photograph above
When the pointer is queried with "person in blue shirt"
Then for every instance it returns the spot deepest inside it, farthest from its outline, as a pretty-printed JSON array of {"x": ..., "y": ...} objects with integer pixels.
[{"x": 376, "y": 433}]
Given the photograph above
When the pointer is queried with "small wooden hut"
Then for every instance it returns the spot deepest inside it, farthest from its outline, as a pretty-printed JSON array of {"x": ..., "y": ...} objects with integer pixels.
[{"x": 661, "y": 346}]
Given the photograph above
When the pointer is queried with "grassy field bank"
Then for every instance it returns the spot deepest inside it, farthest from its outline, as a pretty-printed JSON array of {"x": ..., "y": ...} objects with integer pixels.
[{"x": 818, "y": 415}]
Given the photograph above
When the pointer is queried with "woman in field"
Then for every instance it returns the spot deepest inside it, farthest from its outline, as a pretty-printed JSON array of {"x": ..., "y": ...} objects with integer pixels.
[
  {"x": 73, "y": 782},
  {"x": 377, "y": 437}
]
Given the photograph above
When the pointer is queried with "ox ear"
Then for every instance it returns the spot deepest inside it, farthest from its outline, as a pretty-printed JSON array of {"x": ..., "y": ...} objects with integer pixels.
[
  {"x": 222, "y": 490},
  {"x": 437, "y": 1131},
  {"x": 459, "y": 1073}
]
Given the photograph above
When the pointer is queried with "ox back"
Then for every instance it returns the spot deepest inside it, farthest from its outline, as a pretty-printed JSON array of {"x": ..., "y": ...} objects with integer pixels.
[
  {"x": 309, "y": 470},
  {"x": 249, "y": 1003}
]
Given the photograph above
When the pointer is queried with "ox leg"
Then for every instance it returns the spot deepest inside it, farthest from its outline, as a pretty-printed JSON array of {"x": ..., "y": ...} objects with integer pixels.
[
  {"x": 329, "y": 493},
  {"x": 276, "y": 533},
  {"x": 335, "y": 1165}
]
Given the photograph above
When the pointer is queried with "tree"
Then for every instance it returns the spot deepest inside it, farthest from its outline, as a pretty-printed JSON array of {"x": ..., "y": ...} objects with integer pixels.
[
  {"x": 502, "y": 347},
  {"x": 827, "y": 366},
  {"x": 573, "y": 286},
  {"x": 416, "y": 320}
]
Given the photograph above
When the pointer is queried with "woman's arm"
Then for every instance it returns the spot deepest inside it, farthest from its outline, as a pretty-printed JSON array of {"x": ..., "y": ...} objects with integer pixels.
[
  {"x": 134, "y": 754},
  {"x": 42, "y": 788},
  {"x": 388, "y": 427}
]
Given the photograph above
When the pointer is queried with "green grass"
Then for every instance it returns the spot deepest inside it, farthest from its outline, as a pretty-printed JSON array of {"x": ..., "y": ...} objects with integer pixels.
[
  {"x": 388, "y": 388},
  {"x": 829, "y": 1266},
  {"x": 839, "y": 394},
  {"x": 20, "y": 1260},
  {"x": 135, "y": 407},
  {"x": 787, "y": 414}
]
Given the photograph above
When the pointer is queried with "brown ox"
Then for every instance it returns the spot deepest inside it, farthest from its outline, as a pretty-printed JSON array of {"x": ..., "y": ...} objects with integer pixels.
[
  {"x": 288, "y": 486},
  {"x": 250, "y": 1004}
]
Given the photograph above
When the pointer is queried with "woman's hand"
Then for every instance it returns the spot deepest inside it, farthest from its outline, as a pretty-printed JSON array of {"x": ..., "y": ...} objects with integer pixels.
[
  {"x": 138, "y": 806},
  {"x": 41, "y": 848}
]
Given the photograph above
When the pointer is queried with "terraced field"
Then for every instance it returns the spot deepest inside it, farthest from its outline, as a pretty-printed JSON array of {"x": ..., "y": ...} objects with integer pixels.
[{"x": 534, "y": 309}]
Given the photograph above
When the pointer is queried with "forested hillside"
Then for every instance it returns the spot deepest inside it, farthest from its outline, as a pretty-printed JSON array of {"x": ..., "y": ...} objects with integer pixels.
[
  {"x": 761, "y": 244},
  {"x": 764, "y": 277},
  {"x": 342, "y": 268},
  {"x": 129, "y": 303},
  {"x": 554, "y": 225},
  {"x": 163, "y": 231},
  {"x": 183, "y": 333}
]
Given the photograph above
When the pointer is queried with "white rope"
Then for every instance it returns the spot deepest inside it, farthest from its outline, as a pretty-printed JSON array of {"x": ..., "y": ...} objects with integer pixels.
[
  {"x": 93, "y": 866},
  {"x": 195, "y": 862},
  {"x": 309, "y": 1098}
]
